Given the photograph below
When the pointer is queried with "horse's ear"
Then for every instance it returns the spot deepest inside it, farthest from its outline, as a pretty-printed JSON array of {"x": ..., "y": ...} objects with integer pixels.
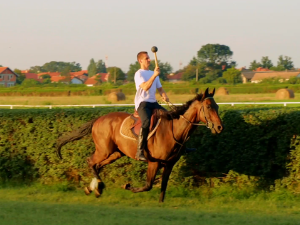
[
  {"x": 213, "y": 93},
  {"x": 205, "y": 94}
]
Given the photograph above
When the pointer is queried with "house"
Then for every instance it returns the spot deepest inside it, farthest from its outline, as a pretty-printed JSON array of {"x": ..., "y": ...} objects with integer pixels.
[
  {"x": 7, "y": 77},
  {"x": 79, "y": 73},
  {"x": 247, "y": 76},
  {"x": 51, "y": 74},
  {"x": 260, "y": 69},
  {"x": 174, "y": 78},
  {"x": 284, "y": 75},
  {"x": 33, "y": 76},
  {"x": 76, "y": 80},
  {"x": 56, "y": 79},
  {"x": 90, "y": 82},
  {"x": 103, "y": 76}
]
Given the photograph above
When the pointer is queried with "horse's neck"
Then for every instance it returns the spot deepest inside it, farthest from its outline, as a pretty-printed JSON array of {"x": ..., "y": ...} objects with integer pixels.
[{"x": 182, "y": 127}]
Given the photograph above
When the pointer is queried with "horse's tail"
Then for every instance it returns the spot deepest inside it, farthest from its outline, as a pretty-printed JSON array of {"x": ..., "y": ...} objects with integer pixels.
[{"x": 75, "y": 135}]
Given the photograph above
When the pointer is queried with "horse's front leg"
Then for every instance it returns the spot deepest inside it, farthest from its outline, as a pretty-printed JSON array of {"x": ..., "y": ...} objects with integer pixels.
[{"x": 151, "y": 173}]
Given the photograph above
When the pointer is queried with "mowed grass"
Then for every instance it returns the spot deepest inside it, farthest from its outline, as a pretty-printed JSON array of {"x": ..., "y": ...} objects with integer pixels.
[
  {"x": 81, "y": 100},
  {"x": 44, "y": 205}
]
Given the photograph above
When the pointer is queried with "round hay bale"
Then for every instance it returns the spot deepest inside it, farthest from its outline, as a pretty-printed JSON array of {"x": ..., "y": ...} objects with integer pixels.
[
  {"x": 285, "y": 94},
  {"x": 222, "y": 91},
  {"x": 116, "y": 96}
]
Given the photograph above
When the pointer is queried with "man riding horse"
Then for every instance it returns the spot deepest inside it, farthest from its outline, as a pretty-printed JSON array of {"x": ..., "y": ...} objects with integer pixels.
[{"x": 146, "y": 83}]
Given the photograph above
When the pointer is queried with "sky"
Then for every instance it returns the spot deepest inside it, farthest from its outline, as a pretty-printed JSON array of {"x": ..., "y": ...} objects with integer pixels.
[{"x": 33, "y": 32}]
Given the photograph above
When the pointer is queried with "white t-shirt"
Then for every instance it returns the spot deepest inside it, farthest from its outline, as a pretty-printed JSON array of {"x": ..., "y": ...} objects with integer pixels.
[{"x": 140, "y": 77}]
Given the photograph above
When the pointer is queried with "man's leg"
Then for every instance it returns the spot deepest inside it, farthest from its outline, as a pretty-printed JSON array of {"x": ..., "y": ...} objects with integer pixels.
[{"x": 145, "y": 115}]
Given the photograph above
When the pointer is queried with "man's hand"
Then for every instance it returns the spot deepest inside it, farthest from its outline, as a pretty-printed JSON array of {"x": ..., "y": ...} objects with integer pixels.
[
  {"x": 156, "y": 71},
  {"x": 165, "y": 97}
]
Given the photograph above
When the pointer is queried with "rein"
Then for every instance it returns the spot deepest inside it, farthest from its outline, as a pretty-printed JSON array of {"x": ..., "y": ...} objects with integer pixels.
[{"x": 208, "y": 124}]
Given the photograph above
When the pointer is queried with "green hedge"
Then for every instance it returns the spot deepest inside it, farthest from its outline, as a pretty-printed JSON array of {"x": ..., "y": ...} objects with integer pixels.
[
  {"x": 129, "y": 89},
  {"x": 259, "y": 142}
]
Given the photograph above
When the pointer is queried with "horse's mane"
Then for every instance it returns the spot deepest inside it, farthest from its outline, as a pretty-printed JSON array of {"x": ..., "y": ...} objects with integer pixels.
[{"x": 177, "y": 111}]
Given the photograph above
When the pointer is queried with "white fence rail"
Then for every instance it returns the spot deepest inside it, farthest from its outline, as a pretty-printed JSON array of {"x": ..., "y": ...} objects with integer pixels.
[{"x": 118, "y": 105}]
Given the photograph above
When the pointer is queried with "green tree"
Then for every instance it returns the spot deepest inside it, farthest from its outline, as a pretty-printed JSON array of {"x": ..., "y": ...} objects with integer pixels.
[
  {"x": 214, "y": 54},
  {"x": 254, "y": 65},
  {"x": 45, "y": 76},
  {"x": 36, "y": 69},
  {"x": 285, "y": 62},
  {"x": 21, "y": 77},
  {"x": 266, "y": 62},
  {"x": 189, "y": 72},
  {"x": 278, "y": 68},
  {"x": 232, "y": 76},
  {"x": 66, "y": 73},
  {"x": 1, "y": 65},
  {"x": 30, "y": 83},
  {"x": 115, "y": 73},
  {"x": 165, "y": 69},
  {"x": 101, "y": 68},
  {"x": 55, "y": 66},
  {"x": 92, "y": 68}
]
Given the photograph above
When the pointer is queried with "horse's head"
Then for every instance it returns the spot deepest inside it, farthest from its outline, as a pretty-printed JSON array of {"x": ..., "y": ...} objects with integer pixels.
[{"x": 209, "y": 112}]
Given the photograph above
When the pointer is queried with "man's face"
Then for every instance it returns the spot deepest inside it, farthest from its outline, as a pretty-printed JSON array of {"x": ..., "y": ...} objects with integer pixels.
[{"x": 145, "y": 60}]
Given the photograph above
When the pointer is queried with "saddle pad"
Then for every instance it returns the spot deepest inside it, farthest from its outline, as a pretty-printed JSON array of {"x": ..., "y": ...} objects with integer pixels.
[{"x": 127, "y": 124}]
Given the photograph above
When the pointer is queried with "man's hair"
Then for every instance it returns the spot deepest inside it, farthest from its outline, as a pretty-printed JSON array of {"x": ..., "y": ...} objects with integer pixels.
[{"x": 139, "y": 55}]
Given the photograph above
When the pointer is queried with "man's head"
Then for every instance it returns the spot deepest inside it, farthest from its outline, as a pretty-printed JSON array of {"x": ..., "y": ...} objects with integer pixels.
[{"x": 144, "y": 60}]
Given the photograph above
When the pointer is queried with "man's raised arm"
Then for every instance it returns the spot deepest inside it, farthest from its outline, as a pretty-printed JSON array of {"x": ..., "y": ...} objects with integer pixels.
[{"x": 147, "y": 85}]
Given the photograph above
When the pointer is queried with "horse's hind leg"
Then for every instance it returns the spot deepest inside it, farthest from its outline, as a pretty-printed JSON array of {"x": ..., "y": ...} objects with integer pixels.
[
  {"x": 151, "y": 173},
  {"x": 96, "y": 184}
]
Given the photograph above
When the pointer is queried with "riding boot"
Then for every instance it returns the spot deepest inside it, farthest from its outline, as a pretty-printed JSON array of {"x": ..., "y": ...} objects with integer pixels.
[
  {"x": 142, "y": 143},
  {"x": 190, "y": 150}
]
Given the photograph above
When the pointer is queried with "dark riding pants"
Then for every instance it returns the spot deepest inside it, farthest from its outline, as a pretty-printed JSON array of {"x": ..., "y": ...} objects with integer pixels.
[{"x": 145, "y": 112}]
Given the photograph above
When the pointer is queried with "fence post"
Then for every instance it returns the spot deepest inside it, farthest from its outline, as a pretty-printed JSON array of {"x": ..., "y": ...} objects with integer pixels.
[
  {"x": 50, "y": 106},
  {"x": 11, "y": 107},
  {"x": 284, "y": 104},
  {"x": 232, "y": 104}
]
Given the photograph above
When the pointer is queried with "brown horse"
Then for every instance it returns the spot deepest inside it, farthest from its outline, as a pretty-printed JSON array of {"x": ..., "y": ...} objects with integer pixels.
[{"x": 164, "y": 147}]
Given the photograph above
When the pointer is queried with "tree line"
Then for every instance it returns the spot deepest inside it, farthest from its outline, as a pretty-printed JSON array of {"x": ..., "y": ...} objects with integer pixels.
[{"x": 212, "y": 64}]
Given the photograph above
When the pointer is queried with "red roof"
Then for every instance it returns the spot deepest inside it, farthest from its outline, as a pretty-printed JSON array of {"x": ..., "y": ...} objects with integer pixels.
[
  {"x": 262, "y": 69},
  {"x": 33, "y": 76},
  {"x": 104, "y": 76},
  {"x": 90, "y": 80},
  {"x": 176, "y": 76},
  {"x": 51, "y": 74},
  {"x": 2, "y": 69},
  {"x": 57, "y": 79},
  {"x": 79, "y": 73}
]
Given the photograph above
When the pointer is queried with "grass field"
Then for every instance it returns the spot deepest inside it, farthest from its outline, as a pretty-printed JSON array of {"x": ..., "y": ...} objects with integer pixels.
[
  {"x": 80, "y": 100},
  {"x": 44, "y": 205}
]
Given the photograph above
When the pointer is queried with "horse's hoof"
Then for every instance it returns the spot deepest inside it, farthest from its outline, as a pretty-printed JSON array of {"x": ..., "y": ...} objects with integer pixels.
[
  {"x": 97, "y": 193},
  {"x": 87, "y": 190},
  {"x": 126, "y": 186}
]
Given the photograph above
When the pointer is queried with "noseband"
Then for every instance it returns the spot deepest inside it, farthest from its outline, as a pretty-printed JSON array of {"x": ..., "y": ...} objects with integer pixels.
[{"x": 208, "y": 124}]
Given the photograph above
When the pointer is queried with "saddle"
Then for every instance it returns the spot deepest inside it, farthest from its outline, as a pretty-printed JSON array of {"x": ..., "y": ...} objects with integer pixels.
[{"x": 135, "y": 128}]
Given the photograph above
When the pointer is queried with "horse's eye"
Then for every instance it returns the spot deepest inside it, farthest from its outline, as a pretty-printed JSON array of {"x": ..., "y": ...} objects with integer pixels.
[{"x": 208, "y": 107}]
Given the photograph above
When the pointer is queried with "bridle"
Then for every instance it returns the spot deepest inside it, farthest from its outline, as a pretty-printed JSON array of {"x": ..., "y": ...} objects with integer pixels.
[{"x": 208, "y": 124}]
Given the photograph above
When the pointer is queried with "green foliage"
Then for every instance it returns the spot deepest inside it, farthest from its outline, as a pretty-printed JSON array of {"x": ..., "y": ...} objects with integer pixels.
[
  {"x": 115, "y": 73},
  {"x": 92, "y": 68},
  {"x": 45, "y": 76},
  {"x": 254, "y": 65},
  {"x": 258, "y": 142},
  {"x": 165, "y": 69},
  {"x": 30, "y": 83},
  {"x": 232, "y": 76},
  {"x": 55, "y": 66},
  {"x": 190, "y": 71},
  {"x": 278, "y": 68},
  {"x": 266, "y": 62},
  {"x": 286, "y": 62},
  {"x": 214, "y": 53},
  {"x": 101, "y": 68},
  {"x": 21, "y": 77}
]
